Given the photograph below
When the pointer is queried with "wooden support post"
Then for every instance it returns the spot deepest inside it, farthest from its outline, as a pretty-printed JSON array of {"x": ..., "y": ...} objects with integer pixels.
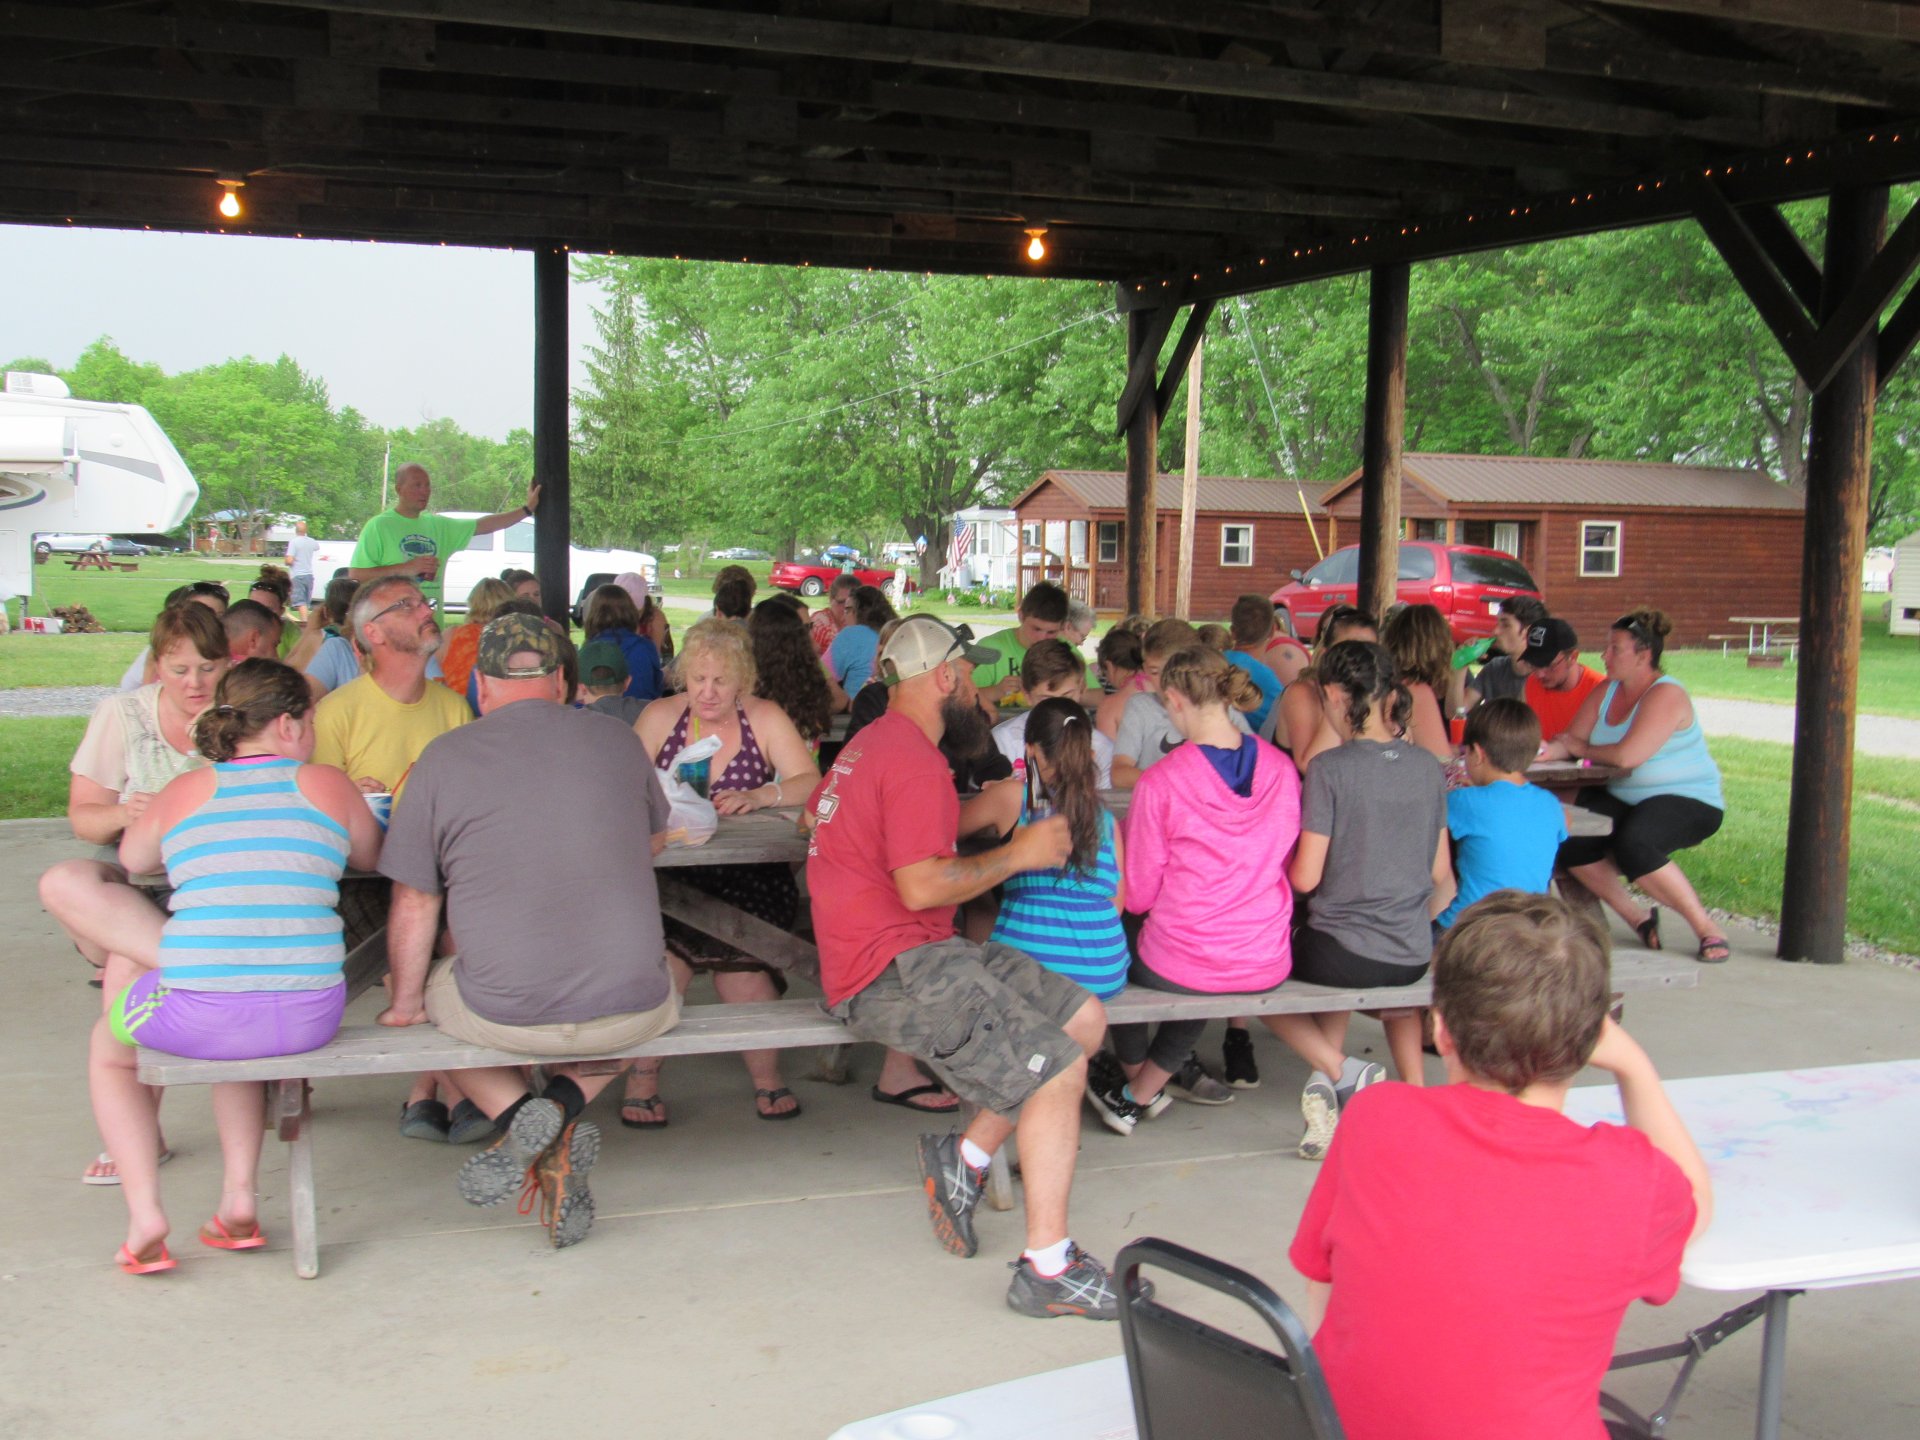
[
  {"x": 1143, "y": 466},
  {"x": 1813, "y": 903},
  {"x": 553, "y": 534},
  {"x": 1189, "y": 491},
  {"x": 1385, "y": 423}
]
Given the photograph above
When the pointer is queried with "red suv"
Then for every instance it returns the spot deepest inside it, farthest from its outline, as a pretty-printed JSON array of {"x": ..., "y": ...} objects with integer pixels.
[{"x": 1464, "y": 582}]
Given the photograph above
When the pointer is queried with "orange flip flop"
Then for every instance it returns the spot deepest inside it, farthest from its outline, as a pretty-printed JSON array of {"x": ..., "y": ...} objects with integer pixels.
[
  {"x": 132, "y": 1264},
  {"x": 215, "y": 1234}
]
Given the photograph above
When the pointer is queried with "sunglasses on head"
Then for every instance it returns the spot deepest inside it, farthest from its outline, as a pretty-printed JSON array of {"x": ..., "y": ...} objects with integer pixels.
[{"x": 1633, "y": 627}]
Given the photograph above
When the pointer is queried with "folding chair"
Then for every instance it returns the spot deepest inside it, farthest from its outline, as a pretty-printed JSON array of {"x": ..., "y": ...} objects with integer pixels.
[{"x": 1192, "y": 1381}]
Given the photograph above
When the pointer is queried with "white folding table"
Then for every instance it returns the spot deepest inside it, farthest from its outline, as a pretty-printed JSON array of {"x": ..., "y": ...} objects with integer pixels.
[
  {"x": 1814, "y": 1188},
  {"x": 1082, "y": 1402}
]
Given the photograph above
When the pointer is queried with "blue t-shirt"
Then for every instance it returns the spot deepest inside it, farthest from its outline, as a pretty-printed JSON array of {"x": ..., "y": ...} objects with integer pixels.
[
  {"x": 1505, "y": 838},
  {"x": 334, "y": 663},
  {"x": 1264, "y": 680},
  {"x": 852, "y": 654}
]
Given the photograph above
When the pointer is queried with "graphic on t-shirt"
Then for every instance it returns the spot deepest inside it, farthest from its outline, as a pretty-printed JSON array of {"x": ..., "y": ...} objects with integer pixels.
[
  {"x": 1167, "y": 747},
  {"x": 415, "y": 546}
]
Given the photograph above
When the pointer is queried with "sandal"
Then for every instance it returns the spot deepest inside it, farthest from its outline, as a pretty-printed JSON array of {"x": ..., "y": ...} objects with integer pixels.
[
  {"x": 652, "y": 1109},
  {"x": 132, "y": 1264},
  {"x": 1714, "y": 950},
  {"x": 771, "y": 1097},
  {"x": 1649, "y": 929},
  {"x": 905, "y": 1098},
  {"x": 113, "y": 1179},
  {"x": 215, "y": 1235}
]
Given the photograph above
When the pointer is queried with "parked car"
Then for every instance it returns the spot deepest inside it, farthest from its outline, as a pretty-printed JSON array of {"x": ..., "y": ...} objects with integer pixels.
[
  {"x": 76, "y": 544},
  {"x": 1465, "y": 582},
  {"x": 484, "y": 555},
  {"x": 738, "y": 552},
  {"x": 812, "y": 574}
]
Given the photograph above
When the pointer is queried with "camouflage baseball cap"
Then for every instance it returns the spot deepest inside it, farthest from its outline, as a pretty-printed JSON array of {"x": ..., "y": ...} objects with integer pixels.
[{"x": 510, "y": 636}]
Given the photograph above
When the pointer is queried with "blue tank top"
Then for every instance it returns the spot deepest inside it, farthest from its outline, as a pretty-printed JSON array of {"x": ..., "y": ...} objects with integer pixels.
[
  {"x": 1681, "y": 766},
  {"x": 1065, "y": 918},
  {"x": 256, "y": 873}
]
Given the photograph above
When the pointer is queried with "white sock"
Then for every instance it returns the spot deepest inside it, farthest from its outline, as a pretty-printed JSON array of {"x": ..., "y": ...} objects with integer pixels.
[
  {"x": 1050, "y": 1260},
  {"x": 974, "y": 1155},
  {"x": 1351, "y": 1070}
]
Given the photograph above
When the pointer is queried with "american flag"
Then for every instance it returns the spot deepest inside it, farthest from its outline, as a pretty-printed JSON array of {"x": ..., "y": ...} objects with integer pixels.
[{"x": 961, "y": 543}]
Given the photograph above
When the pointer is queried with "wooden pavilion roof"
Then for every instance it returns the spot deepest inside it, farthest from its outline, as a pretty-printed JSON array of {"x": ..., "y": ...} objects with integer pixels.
[{"x": 1208, "y": 145}]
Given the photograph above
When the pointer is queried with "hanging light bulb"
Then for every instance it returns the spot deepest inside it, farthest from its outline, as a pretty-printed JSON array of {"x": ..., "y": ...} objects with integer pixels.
[
  {"x": 229, "y": 205},
  {"x": 1037, "y": 245}
]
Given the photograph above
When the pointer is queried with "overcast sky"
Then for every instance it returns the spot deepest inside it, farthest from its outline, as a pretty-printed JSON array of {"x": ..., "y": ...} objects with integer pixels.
[{"x": 403, "y": 333}]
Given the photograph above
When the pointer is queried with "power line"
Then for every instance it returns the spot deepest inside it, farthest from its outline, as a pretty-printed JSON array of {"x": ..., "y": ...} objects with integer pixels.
[{"x": 1253, "y": 341}]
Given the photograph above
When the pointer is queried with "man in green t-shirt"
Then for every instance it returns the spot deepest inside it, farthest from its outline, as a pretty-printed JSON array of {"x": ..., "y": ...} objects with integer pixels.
[
  {"x": 409, "y": 541},
  {"x": 1043, "y": 610}
]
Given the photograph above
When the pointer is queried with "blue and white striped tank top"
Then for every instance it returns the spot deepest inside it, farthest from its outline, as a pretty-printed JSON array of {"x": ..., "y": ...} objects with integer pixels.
[
  {"x": 1065, "y": 919},
  {"x": 255, "y": 874}
]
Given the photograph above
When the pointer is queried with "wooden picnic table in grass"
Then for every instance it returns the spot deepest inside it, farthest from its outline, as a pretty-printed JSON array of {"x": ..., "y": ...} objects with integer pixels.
[
  {"x": 99, "y": 560},
  {"x": 1766, "y": 625}
]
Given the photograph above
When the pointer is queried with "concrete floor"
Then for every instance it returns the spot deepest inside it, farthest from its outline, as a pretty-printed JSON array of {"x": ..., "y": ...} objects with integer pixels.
[{"x": 743, "y": 1278}]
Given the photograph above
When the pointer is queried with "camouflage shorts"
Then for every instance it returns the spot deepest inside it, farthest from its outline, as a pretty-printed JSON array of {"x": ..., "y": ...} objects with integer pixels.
[{"x": 987, "y": 1018}]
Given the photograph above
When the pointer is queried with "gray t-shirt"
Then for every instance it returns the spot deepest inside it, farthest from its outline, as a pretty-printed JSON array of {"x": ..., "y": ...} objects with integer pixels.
[
  {"x": 536, "y": 822},
  {"x": 1498, "y": 680},
  {"x": 1147, "y": 733},
  {"x": 300, "y": 554},
  {"x": 1382, "y": 808}
]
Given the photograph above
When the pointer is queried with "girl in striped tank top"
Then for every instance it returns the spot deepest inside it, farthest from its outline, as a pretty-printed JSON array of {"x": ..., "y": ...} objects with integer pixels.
[
  {"x": 249, "y": 962},
  {"x": 1067, "y": 919}
]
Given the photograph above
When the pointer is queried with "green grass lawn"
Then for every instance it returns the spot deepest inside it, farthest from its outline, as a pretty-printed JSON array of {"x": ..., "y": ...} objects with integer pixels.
[
  {"x": 129, "y": 599},
  {"x": 33, "y": 765},
  {"x": 1889, "y": 672},
  {"x": 66, "y": 659}
]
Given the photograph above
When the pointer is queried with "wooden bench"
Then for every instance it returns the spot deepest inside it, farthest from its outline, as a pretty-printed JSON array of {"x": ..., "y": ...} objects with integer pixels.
[{"x": 711, "y": 1029}]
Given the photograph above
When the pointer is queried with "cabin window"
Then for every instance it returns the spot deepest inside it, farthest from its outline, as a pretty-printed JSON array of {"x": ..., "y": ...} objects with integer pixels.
[
  {"x": 1599, "y": 549},
  {"x": 1506, "y": 537},
  {"x": 1109, "y": 542},
  {"x": 1236, "y": 544}
]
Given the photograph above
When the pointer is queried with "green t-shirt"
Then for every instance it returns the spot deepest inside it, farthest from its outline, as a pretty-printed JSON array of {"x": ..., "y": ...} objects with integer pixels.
[
  {"x": 390, "y": 538},
  {"x": 1007, "y": 642}
]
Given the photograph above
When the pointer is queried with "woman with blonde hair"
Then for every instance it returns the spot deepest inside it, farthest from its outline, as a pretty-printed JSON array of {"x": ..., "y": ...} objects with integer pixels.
[
  {"x": 1146, "y": 732},
  {"x": 1418, "y": 638},
  {"x": 462, "y": 643}
]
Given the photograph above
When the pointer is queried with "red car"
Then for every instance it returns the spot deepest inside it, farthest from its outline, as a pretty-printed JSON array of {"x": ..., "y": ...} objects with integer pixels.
[
  {"x": 812, "y": 574},
  {"x": 1464, "y": 582}
]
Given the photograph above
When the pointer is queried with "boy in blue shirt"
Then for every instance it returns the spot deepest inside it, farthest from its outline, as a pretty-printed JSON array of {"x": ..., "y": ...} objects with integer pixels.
[{"x": 1505, "y": 830}]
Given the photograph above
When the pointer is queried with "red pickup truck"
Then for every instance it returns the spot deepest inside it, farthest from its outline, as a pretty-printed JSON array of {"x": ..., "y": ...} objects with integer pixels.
[{"x": 1464, "y": 582}]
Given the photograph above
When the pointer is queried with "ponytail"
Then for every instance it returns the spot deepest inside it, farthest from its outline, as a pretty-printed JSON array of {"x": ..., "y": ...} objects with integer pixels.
[
  {"x": 1365, "y": 671},
  {"x": 1203, "y": 675},
  {"x": 1060, "y": 730},
  {"x": 250, "y": 697}
]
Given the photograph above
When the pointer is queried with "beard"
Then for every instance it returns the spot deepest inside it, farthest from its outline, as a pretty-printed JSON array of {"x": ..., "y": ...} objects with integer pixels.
[{"x": 966, "y": 731}]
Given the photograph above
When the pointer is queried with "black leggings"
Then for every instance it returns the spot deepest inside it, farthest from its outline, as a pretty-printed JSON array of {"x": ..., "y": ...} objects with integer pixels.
[
  {"x": 1171, "y": 1042},
  {"x": 1319, "y": 959},
  {"x": 1644, "y": 836}
]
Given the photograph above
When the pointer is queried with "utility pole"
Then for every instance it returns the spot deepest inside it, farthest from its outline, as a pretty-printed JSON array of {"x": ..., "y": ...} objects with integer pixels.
[
  {"x": 385, "y": 464},
  {"x": 1189, "y": 489}
]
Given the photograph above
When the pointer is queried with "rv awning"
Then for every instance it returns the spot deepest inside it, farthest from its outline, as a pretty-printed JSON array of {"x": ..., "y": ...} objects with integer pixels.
[{"x": 35, "y": 446}]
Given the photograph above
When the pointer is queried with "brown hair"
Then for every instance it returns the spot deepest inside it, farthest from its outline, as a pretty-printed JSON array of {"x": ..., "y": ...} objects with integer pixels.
[
  {"x": 275, "y": 581},
  {"x": 787, "y": 667},
  {"x": 250, "y": 617},
  {"x": 1366, "y": 672},
  {"x": 733, "y": 597},
  {"x": 1421, "y": 645},
  {"x": 1203, "y": 675},
  {"x": 488, "y": 595},
  {"x": 1045, "y": 602},
  {"x": 1163, "y": 637},
  {"x": 610, "y": 608},
  {"x": 1216, "y": 637},
  {"x": 1048, "y": 661},
  {"x": 1508, "y": 731},
  {"x": 1522, "y": 982},
  {"x": 192, "y": 622},
  {"x": 249, "y": 697},
  {"x": 1338, "y": 618},
  {"x": 871, "y": 607},
  {"x": 1060, "y": 730},
  {"x": 339, "y": 598},
  {"x": 1649, "y": 628},
  {"x": 1119, "y": 650},
  {"x": 735, "y": 574},
  {"x": 513, "y": 577},
  {"x": 1252, "y": 621}
]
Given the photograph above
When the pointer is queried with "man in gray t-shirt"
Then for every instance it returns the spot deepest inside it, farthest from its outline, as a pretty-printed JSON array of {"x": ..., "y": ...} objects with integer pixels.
[
  {"x": 1147, "y": 734},
  {"x": 534, "y": 829},
  {"x": 300, "y": 566}
]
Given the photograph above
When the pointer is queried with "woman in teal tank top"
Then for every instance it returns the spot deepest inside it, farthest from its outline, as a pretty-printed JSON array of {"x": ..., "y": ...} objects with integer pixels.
[{"x": 1643, "y": 719}]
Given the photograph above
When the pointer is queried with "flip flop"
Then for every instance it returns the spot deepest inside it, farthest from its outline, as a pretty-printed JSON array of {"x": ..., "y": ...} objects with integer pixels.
[
  {"x": 653, "y": 1105},
  {"x": 783, "y": 1093},
  {"x": 114, "y": 1179},
  {"x": 215, "y": 1235},
  {"x": 132, "y": 1264},
  {"x": 1649, "y": 929},
  {"x": 905, "y": 1098},
  {"x": 1714, "y": 950}
]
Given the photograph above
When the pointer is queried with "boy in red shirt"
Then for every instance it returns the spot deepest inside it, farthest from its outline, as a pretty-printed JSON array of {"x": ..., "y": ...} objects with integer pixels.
[{"x": 1471, "y": 1251}]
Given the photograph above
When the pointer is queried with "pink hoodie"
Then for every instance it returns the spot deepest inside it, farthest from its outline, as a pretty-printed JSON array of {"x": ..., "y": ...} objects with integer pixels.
[{"x": 1209, "y": 870}]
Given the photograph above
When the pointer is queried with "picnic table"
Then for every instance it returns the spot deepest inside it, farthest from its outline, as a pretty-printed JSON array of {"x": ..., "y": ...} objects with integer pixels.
[
  {"x": 1573, "y": 774},
  {"x": 1766, "y": 625},
  {"x": 99, "y": 560}
]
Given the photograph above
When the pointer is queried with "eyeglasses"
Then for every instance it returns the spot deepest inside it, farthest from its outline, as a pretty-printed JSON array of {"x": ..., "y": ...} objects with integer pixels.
[{"x": 412, "y": 602}]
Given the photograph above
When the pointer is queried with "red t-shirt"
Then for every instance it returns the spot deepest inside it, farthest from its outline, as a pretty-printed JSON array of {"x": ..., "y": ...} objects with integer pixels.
[
  {"x": 1556, "y": 708},
  {"x": 886, "y": 803},
  {"x": 1482, "y": 1253}
]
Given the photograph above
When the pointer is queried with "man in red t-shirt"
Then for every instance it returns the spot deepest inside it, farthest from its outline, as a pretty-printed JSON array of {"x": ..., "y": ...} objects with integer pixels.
[
  {"x": 1557, "y": 682},
  {"x": 1470, "y": 1250},
  {"x": 999, "y": 1029}
]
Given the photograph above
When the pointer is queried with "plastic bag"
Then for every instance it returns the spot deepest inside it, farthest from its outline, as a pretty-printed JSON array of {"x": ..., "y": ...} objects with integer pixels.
[{"x": 693, "y": 819}]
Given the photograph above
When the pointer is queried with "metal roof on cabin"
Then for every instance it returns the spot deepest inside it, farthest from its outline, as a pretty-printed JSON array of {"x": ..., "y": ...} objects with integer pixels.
[
  {"x": 1225, "y": 494},
  {"x": 1546, "y": 480}
]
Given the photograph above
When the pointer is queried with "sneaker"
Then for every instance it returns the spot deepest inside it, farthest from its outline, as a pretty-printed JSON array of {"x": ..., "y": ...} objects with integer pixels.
[
  {"x": 1104, "y": 1071},
  {"x": 424, "y": 1120},
  {"x": 1321, "y": 1108},
  {"x": 469, "y": 1125},
  {"x": 1372, "y": 1073},
  {"x": 1197, "y": 1087},
  {"x": 1084, "y": 1288},
  {"x": 1115, "y": 1110},
  {"x": 500, "y": 1169},
  {"x": 560, "y": 1178},
  {"x": 1236, "y": 1058},
  {"x": 953, "y": 1192}
]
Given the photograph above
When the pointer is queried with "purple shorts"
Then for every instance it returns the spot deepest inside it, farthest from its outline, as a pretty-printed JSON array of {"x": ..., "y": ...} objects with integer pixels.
[{"x": 225, "y": 1024}]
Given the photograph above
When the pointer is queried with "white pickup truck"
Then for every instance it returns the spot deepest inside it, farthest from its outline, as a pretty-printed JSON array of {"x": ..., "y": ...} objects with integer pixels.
[{"x": 511, "y": 548}]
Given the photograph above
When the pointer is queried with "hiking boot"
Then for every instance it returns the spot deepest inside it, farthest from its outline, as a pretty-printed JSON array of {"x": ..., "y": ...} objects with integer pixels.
[
  {"x": 1372, "y": 1073},
  {"x": 1115, "y": 1110},
  {"x": 1321, "y": 1109},
  {"x": 1084, "y": 1288},
  {"x": 953, "y": 1192},
  {"x": 1236, "y": 1060},
  {"x": 497, "y": 1171},
  {"x": 560, "y": 1176},
  {"x": 1197, "y": 1087}
]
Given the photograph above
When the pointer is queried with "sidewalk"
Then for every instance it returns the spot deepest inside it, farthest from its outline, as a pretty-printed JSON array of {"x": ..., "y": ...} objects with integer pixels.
[
  {"x": 1758, "y": 720},
  {"x": 743, "y": 1278}
]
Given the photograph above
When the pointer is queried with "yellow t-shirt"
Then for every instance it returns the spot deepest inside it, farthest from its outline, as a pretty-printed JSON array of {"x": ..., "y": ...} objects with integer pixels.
[{"x": 366, "y": 732}]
